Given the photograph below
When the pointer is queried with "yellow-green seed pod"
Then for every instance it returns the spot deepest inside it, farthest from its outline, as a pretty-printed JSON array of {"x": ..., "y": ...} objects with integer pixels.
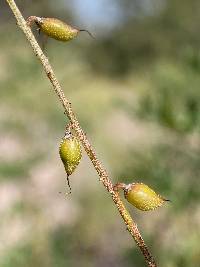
[
  {"x": 55, "y": 28},
  {"x": 143, "y": 197},
  {"x": 70, "y": 153}
]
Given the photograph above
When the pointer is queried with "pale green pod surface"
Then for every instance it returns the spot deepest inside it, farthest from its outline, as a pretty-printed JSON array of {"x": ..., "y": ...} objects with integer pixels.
[
  {"x": 143, "y": 197},
  {"x": 57, "y": 29},
  {"x": 70, "y": 153}
]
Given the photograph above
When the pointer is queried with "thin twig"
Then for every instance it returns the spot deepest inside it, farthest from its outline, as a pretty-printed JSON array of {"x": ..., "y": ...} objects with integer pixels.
[{"x": 131, "y": 225}]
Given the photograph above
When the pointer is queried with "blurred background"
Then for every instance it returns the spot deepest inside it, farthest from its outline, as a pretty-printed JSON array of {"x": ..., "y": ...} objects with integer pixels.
[{"x": 135, "y": 90}]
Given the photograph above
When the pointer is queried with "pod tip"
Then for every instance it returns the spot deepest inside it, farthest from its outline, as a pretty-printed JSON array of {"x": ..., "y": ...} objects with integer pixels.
[{"x": 91, "y": 35}]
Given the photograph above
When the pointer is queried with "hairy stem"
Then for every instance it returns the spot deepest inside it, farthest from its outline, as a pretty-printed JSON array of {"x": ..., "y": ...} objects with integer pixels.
[{"x": 131, "y": 225}]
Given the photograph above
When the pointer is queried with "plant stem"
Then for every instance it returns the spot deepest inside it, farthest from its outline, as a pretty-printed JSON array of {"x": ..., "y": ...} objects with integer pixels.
[{"x": 131, "y": 225}]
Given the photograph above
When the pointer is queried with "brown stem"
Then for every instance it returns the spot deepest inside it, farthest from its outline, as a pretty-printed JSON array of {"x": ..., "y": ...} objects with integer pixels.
[{"x": 131, "y": 225}]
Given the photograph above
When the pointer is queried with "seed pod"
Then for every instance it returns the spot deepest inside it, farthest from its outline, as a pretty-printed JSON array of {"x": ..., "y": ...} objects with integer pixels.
[
  {"x": 70, "y": 153},
  {"x": 55, "y": 28},
  {"x": 143, "y": 197}
]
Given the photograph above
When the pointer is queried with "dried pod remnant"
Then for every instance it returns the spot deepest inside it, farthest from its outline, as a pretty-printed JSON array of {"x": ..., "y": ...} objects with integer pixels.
[
  {"x": 55, "y": 28},
  {"x": 70, "y": 153},
  {"x": 141, "y": 196}
]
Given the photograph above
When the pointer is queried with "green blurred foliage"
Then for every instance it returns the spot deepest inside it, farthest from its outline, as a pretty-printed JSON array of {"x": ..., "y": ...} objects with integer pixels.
[
  {"x": 172, "y": 100},
  {"x": 135, "y": 90}
]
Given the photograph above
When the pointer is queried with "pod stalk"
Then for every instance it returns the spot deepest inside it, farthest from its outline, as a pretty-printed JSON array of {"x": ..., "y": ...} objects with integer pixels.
[{"x": 118, "y": 186}]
